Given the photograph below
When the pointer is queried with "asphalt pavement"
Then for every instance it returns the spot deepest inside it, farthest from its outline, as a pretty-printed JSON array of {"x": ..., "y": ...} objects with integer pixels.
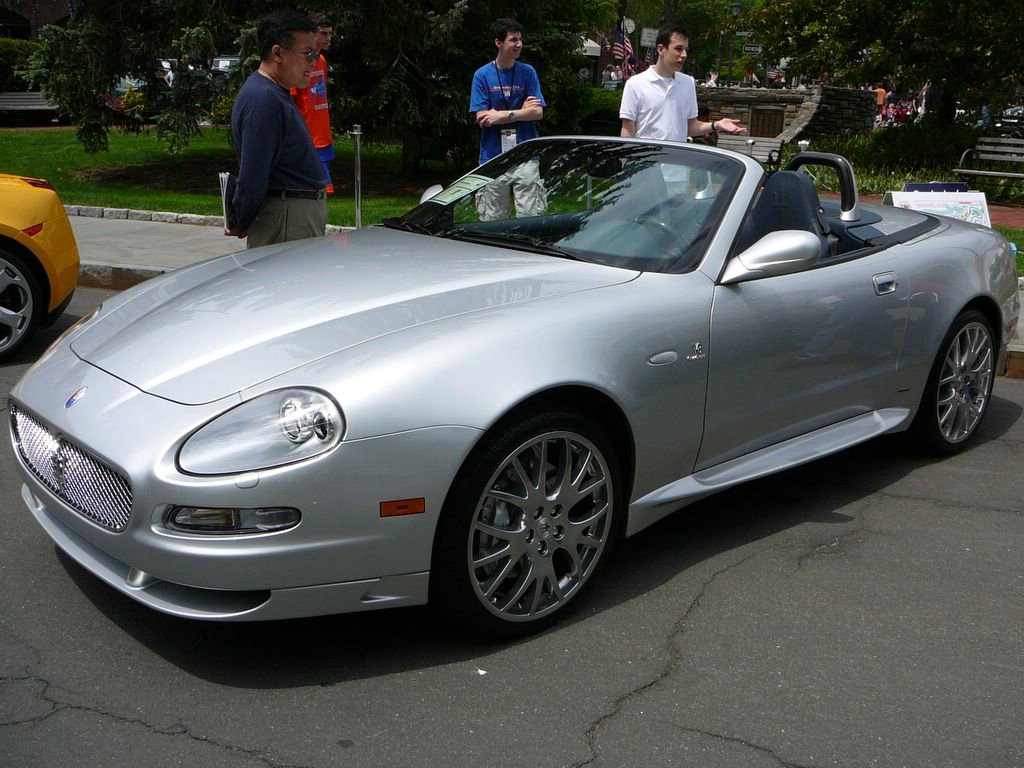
[{"x": 862, "y": 610}]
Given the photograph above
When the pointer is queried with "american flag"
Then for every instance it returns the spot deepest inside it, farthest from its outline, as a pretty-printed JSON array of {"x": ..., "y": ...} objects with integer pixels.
[{"x": 622, "y": 49}]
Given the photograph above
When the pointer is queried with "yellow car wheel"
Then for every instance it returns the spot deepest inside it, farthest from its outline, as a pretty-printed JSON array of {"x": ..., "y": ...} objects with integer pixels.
[{"x": 21, "y": 301}]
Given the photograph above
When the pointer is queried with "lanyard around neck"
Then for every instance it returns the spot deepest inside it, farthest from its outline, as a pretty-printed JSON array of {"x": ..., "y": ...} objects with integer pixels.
[{"x": 506, "y": 93}]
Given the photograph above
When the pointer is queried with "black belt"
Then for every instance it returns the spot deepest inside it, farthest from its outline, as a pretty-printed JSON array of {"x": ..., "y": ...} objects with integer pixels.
[{"x": 302, "y": 194}]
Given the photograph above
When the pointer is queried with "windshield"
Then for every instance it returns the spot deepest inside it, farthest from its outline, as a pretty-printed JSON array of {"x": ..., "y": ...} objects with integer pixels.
[{"x": 637, "y": 206}]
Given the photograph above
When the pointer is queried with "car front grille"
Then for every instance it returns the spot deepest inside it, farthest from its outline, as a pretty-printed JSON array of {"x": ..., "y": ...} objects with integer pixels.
[{"x": 78, "y": 478}]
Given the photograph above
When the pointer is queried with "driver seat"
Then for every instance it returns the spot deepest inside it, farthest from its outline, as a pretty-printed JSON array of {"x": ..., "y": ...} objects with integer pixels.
[{"x": 788, "y": 200}]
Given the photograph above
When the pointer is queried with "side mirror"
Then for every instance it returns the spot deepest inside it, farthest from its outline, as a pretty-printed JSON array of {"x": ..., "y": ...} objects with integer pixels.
[
  {"x": 430, "y": 191},
  {"x": 777, "y": 253}
]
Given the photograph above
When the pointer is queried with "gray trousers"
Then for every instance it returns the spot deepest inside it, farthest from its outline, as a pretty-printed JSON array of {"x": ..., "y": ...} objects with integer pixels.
[
  {"x": 523, "y": 184},
  {"x": 289, "y": 219}
]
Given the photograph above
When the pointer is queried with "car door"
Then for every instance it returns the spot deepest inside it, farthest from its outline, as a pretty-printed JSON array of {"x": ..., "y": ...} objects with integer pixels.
[{"x": 792, "y": 353}]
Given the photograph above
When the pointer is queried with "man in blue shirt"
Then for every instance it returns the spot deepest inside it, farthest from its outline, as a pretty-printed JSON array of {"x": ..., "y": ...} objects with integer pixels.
[
  {"x": 507, "y": 103},
  {"x": 280, "y": 194}
]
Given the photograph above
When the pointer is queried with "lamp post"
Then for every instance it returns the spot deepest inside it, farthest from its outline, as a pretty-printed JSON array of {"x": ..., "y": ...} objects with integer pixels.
[
  {"x": 735, "y": 8},
  {"x": 718, "y": 67}
]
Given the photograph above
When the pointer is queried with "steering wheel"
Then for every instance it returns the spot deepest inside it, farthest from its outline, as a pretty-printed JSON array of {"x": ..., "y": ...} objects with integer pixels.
[{"x": 659, "y": 225}]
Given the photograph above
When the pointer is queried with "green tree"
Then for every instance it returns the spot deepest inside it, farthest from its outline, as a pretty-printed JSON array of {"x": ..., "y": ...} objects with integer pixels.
[
  {"x": 406, "y": 74},
  {"x": 703, "y": 19},
  {"x": 401, "y": 70},
  {"x": 972, "y": 48},
  {"x": 83, "y": 65}
]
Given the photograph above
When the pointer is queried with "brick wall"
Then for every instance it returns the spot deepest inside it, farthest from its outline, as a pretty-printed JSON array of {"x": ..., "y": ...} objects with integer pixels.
[{"x": 792, "y": 114}]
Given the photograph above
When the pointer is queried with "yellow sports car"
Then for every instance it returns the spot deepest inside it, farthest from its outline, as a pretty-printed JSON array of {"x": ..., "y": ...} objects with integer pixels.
[{"x": 38, "y": 259}]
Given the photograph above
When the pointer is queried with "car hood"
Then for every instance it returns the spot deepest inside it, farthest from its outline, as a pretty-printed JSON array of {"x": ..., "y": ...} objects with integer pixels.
[{"x": 208, "y": 331}]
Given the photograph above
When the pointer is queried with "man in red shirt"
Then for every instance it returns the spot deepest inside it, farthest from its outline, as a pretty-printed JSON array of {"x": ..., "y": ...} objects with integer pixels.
[{"x": 312, "y": 101}]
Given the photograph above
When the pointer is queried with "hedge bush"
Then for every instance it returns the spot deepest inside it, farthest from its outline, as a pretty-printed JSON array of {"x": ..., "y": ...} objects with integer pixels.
[
  {"x": 601, "y": 112},
  {"x": 14, "y": 56},
  {"x": 914, "y": 147}
]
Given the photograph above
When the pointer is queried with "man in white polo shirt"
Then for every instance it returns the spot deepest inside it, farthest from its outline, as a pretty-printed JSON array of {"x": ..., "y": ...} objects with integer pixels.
[{"x": 661, "y": 102}]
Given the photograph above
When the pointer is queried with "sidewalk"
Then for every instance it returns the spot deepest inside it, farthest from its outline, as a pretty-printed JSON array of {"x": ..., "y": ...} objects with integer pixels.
[
  {"x": 118, "y": 253},
  {"x": 119, "y": 248}
]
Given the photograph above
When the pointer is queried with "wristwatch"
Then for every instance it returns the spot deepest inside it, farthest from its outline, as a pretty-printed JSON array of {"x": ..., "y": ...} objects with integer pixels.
[
  {"x": 512, "y": 117},
  {"x": 714, "y": 126}
]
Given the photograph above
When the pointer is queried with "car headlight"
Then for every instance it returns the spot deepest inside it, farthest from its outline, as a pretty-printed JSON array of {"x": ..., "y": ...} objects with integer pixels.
[{"x": 271, "y": 430}]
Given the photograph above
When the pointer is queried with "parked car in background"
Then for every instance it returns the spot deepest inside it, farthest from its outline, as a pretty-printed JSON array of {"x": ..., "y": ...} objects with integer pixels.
[
  {"x": 223, "y": 64},
  {"x": 38, "y": 259},
  {"x": 470, "y": 408},
  {"x": 1010, "y": 122}
]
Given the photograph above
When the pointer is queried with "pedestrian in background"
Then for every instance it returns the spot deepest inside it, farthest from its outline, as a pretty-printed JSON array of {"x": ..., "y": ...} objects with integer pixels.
[
  {"x": 312, "y": 101},
  {"x": 280, "y": 193},
  {"x": 880, "y": 100},
  {"x": 507, "y": 103},
  {"x": 661, "y": 103}
]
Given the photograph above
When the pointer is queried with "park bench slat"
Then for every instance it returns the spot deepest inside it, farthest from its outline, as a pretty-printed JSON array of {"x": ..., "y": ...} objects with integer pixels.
[
  {"x": 18, "y": 101},
  {"x": 984, "y": 158},
  {"x": 991, "y": 174}
]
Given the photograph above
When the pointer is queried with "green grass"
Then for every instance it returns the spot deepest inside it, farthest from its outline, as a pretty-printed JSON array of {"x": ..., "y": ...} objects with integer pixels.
[
  {"x": 1015, "y": 236},
  {"x": 138, "y": 173}
]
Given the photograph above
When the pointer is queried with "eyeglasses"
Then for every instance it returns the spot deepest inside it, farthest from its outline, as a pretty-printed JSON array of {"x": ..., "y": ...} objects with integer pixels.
[{"x": 310, "y": 56}]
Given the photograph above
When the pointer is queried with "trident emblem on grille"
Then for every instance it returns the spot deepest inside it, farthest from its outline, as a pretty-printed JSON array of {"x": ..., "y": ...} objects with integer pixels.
[{"x": 59, "y": 465}]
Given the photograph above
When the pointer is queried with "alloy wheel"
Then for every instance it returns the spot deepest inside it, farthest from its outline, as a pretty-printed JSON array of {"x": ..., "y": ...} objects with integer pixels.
[
  {"x": 540, "y": 527},
  {"x": 17, "y": 306},
  {"x": 965, "y": 382}
]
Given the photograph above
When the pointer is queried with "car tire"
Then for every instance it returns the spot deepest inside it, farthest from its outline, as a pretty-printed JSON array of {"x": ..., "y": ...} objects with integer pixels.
[
  {"x": 21, "y": 301},
  {"x": 515, "y": 545},
  {"x": 959, "y": 387}
]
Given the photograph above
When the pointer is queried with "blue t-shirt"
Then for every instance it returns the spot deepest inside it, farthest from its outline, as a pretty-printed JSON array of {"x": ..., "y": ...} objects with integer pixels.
[
  {"x": 504, "y": 90},
  {"x": 273, "y": 146}
]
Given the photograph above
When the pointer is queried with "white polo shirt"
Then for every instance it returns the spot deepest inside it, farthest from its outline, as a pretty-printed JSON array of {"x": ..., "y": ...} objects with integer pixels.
[{"x": 660, "y": 107}]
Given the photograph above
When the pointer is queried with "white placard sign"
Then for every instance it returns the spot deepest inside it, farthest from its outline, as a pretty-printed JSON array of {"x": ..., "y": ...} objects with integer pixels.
[
  {"x": 648, "y": 37},
  {"x": 966, "y": 206}
]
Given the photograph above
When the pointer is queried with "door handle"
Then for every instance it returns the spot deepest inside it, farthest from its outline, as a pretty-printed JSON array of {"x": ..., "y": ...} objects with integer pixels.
[{"x": 885, "y": 283}]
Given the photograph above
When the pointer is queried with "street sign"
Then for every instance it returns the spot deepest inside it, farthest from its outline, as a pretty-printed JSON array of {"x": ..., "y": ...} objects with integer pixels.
[
  {"x": 648, "y": 37},
  {"x": 755, "y": 49},
  {"x": 742, "y": 34}
]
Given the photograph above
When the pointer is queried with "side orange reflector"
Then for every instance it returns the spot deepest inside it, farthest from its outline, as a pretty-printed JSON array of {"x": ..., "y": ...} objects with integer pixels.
[
  {"x": 34, "y": 230},
  {"x": 403, "y": 507}
]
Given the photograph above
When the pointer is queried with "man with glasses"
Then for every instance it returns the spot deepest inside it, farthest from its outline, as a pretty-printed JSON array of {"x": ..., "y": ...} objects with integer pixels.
[{"x": 280, "y": 194}]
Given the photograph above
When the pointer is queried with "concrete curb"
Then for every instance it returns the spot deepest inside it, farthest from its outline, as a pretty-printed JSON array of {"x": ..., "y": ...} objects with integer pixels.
[
  {"x": 166, "y": 217},
  {"x": 1015, "y": 349}
]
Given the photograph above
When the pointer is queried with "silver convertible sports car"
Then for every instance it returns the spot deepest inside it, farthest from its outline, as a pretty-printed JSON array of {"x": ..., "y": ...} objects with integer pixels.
[{"x": 471, "y": 410}]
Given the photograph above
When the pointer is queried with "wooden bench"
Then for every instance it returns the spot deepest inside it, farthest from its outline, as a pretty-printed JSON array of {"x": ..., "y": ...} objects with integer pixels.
[
  {"x": 24, "y": 101},
  {"x": 766, "y": 151},
  {"x": 988, "y": 155}
]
